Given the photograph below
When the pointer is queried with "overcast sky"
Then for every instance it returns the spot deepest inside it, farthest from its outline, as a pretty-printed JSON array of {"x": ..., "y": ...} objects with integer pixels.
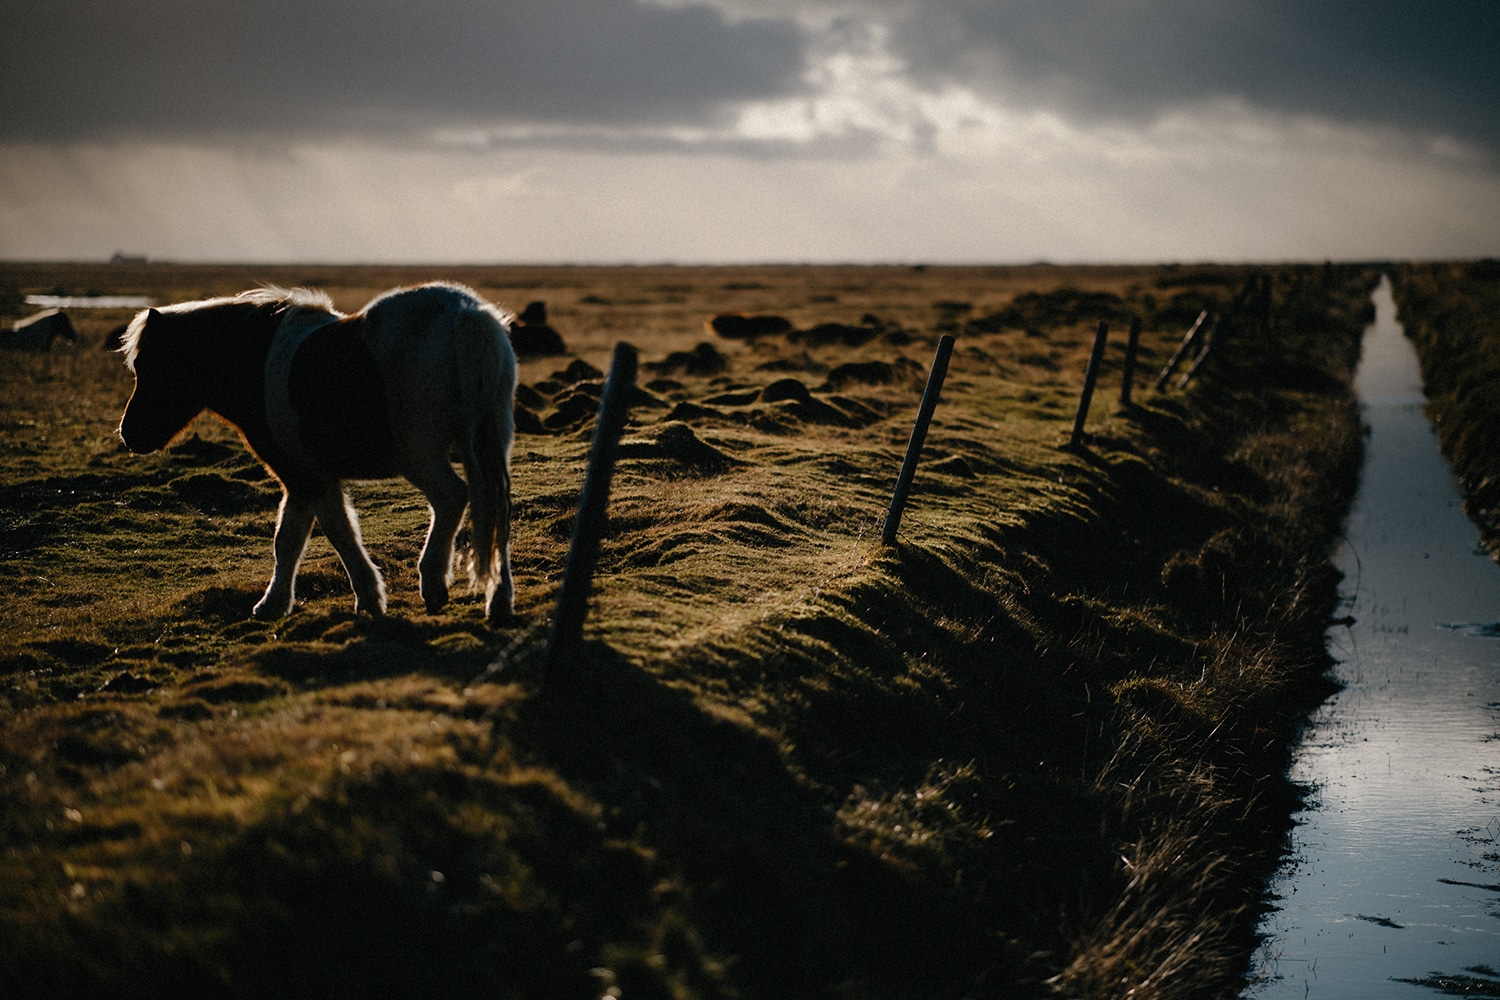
[{"x": 735, "y": 131}]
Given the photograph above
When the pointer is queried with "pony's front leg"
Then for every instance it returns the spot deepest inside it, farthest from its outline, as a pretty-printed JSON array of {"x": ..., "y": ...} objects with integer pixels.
[
  {"x": 339, "y": 522},
  {"x": 447, "y": 496},
  {"x": 294, "y": 523}
]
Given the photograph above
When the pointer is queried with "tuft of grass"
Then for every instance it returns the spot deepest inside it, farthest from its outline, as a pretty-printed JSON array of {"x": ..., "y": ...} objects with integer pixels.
[{"x": 1037, "y": 745}]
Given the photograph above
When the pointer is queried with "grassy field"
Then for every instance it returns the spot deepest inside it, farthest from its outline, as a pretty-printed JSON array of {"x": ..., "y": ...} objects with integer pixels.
[
  {"x": 1452, "y": 313},
  {"x": 1036, "y": 746}
]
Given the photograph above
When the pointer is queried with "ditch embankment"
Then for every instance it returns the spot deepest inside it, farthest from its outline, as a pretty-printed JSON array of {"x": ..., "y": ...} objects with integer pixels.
[{"x": 1037, "y": 745}]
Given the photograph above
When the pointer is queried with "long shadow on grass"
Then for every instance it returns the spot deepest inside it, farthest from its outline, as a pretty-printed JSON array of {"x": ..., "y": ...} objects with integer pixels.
[
  {"x": 766, "y": 878},
  {"x": 328, "y": 649},
  {"x": 615, "y": 833}
]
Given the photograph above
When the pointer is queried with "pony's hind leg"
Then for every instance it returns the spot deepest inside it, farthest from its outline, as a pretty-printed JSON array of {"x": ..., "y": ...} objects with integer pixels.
[
  {"x": 489, "y": 523},
  {"x": 339, "y": 522},
  {"x": 294, "y": 523},
  {"x": 447, "y": 496},
  {"x": 503, "y": 602}
]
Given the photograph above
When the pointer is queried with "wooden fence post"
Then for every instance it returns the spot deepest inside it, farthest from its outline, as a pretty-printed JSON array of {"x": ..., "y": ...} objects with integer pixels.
[
  {"x": 918, "y": 436},
  {"x": 1208, "y": 344},
  {"x": 1128, "y": 375},
  {"x": 1090, "y": 376},
  {"x": 1182, "y": 349},
  {"x": 583, "y": 551},
  {"x": 1221, "y": 327}
]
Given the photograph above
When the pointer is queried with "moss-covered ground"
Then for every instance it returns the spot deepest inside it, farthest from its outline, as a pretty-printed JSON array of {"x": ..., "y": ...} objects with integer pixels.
[{"x": 1035, "y": 746}]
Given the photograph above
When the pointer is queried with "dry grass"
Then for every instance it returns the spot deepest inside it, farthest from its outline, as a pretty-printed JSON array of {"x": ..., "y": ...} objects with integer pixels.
[{"x": 1011, "y": 754}]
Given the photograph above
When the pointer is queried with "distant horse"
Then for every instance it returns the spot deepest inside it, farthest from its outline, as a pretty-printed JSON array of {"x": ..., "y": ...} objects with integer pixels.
[
  {"x": 321, "y": 398},
  {"x": 37, "y": 333}
]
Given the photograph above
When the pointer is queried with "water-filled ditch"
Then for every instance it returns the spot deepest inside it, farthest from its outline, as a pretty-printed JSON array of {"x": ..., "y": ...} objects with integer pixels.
[{"x": 1393, "y": 886}]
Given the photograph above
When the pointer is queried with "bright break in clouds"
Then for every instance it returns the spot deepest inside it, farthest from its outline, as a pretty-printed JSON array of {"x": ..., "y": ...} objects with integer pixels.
[{"x": 733, "y": 131}]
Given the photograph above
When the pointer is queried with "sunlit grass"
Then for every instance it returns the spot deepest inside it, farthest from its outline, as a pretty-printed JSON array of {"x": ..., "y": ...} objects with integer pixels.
[{"x": 1019, "y": 746}]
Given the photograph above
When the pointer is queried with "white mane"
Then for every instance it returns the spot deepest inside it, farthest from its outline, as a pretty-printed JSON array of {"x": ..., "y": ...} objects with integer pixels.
[{"x": 266, "y": 295}]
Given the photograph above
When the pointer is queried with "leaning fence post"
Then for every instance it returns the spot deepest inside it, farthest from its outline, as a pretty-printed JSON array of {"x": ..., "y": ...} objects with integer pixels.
[
  {"x": 1221, "y": 326},
  {"x": 1090, "y": 376},
  {"x": 1208, "y": 344},
  {"x": 583, "y": 551},
  {"x": 918, "y": 435},
  {"x": 1182, "y": 349},
  {"x": 1131, "y": 346}
]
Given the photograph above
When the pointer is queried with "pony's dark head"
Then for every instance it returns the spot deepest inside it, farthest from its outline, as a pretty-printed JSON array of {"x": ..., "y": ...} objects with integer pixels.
[
  {"x": 201, "y": 355},
  {"x": 168, "y": 385}
]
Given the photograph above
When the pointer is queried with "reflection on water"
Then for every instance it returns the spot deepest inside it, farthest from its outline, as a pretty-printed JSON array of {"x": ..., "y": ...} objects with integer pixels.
[
  {"x": 1393, "y": 889},
  {"x": 1486, "y": 630}
]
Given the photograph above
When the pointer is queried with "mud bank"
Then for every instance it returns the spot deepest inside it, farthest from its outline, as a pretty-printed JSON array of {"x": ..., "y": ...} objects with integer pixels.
[{"x": 1451, "y": 312}]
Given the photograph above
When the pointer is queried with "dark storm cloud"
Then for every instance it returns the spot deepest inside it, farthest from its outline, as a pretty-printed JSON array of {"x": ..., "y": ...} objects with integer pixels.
[
  {"x": 1431, "y": 66},
  {"x": 108, "y": 68},
  {"x": 178, "y": 68}
]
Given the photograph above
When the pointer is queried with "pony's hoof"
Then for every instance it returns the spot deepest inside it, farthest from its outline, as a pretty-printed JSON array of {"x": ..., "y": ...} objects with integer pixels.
[
  {"x": 370, "y": 601},
  {"x": 267, "y": 611}
]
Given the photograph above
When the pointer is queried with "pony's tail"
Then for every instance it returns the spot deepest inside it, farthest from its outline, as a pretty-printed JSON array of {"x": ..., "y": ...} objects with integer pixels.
[{"x": 488, "y": 388}]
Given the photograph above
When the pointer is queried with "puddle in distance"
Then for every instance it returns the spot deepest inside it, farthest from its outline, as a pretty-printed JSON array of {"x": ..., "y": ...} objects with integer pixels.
[
  {"x": 90, "y": 301},
  {"x": 1393, "y": 887}
]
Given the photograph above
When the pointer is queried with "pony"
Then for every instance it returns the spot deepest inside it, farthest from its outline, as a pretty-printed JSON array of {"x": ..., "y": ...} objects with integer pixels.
[{"x": 320, "y": 398}]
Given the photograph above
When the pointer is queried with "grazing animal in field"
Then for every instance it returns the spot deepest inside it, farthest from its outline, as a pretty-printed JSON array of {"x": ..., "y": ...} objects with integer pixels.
[
  {"x": 321, "y": 398},
  {"x": 37, "y": 332}
]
